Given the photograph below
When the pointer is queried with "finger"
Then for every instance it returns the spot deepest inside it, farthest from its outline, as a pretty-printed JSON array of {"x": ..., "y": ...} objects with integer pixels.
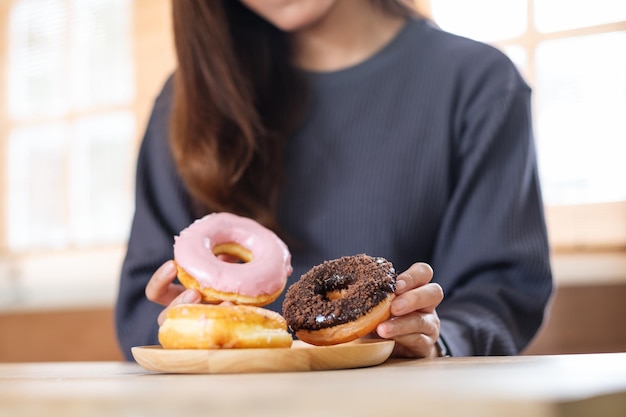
[
  {"x": 160, "y": 288},
  {"x": 425, "y": 298},
  {"x": 417, "y": 275},
  {"x": 414, "y": 323},
  {"x": 190, "y": 296},
  {"x": 415, "y": 346},
  {"x": 415, "y": 334}
]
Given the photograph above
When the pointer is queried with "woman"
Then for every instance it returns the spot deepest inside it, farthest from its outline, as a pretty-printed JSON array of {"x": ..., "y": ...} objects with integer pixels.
[{"x": 349, "y": 126}]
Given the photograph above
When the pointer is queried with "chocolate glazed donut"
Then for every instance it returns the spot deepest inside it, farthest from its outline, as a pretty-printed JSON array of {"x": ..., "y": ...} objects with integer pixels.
[{"x": 340, "y": 300}]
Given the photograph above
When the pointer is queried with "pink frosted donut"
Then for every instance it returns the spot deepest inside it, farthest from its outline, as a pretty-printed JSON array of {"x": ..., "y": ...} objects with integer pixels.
[{"x": 231, "y": 258}]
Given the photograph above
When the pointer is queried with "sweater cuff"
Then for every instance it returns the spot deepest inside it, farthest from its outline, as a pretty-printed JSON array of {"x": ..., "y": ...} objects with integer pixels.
[
  {"x": 442, "y": 348},
  {"x": 455, "y": 338}
]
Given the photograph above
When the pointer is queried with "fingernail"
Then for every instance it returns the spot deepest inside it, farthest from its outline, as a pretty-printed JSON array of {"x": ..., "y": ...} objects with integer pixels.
[
  {"x": 190, "y": 297},
  {"x": 169, "y": 268},
  {"x": 386, "y": 329},
  {"x": 400, "y": 284}
]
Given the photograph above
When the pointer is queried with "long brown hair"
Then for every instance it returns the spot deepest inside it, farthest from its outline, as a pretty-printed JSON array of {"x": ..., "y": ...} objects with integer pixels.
[{"x": 236, "y": 101}]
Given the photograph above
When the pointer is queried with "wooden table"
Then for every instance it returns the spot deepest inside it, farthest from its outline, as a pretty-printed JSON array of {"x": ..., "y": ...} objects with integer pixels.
[{"x": 569, "y": 385}]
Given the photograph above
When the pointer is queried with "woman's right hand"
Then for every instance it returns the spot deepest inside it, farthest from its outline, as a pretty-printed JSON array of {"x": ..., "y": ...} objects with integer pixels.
[{"x": 161, "y": 289}]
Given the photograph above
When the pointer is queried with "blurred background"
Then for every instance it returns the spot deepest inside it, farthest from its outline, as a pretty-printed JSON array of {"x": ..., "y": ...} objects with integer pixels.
[{"x": 77, "y": 82}]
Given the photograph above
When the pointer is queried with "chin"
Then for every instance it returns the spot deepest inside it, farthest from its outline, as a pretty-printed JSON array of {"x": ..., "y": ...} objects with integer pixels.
[{"x": 291, "y": 15}]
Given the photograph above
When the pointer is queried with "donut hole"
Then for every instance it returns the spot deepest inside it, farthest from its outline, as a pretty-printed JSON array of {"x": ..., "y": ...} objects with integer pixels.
[
  {"x": 335, "y": 294},
  {"x": 232, "y": 252},
  {"x": 336, "y": 286}
]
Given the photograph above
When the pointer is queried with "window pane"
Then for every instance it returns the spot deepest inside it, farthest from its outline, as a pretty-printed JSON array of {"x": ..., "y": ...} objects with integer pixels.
[
  {"x": 36, "y": 54},
  {"x": 77, "y": 45},
  {"x": 101, "y": 202},
  {"x": 554, "y": 15},
  {"x": 36, "y": 203},
  {"x": 485, "y": 20},
  {"x": 581, "y": 123},
  {"x": 101, "y": 56}
]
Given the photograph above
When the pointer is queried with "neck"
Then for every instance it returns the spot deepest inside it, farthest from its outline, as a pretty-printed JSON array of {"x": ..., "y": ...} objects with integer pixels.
[{"x": 349, "y": 34}]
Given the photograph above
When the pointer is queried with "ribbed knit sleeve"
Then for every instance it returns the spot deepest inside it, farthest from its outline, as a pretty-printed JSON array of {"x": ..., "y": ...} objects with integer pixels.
[
  {"x": 492, "y": 251},
  {"x": 161, "y": 211}
]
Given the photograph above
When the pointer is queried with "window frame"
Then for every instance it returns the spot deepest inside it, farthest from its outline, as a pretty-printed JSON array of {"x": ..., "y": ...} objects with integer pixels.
[
  {"x": 81, "y": 275},
  {"x": 576, "y": 227}
]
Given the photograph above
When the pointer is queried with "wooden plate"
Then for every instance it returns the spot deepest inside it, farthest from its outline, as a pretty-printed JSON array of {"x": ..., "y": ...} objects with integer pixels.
[{"x": 300, "y": 357}]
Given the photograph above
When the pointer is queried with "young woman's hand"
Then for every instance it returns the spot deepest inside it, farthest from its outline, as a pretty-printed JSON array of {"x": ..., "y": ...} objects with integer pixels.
[
  {"x": 161, "y": 289},
  {"x": 414, "y": 324}
]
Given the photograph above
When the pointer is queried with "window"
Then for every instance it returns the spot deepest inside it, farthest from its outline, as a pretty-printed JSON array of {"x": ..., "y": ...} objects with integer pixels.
[
  {"x": 77, "y": 82},
  {"x": 572, "y": 54},
  {"x": 70, "y": 87}
]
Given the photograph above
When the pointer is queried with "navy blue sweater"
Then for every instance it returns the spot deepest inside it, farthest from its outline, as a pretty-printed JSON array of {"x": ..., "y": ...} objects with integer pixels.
[{"x": 424, "y": 152}]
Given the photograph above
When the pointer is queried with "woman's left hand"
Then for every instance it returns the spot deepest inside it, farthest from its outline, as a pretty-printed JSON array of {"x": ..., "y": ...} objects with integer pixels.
[{"x": 414, "y": 324}]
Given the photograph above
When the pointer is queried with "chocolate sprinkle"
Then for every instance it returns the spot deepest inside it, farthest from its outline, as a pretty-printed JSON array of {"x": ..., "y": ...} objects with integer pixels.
[{"x": 361, "y": 280}]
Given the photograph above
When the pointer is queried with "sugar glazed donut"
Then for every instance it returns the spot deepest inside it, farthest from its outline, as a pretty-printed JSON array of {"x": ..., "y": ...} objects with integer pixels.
[
  {"x": 204, "y": 326},
  {"x": 340, "y": 300},
  {"x": 262, "y": 261}
]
